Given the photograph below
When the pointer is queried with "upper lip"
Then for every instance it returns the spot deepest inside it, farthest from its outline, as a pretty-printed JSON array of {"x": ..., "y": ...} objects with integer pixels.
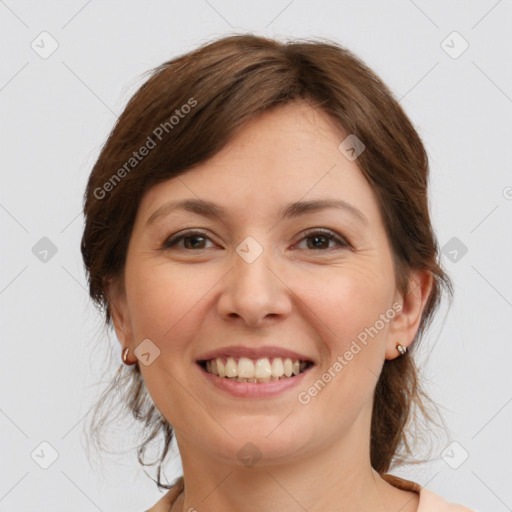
[{"x": 252, "y": 353}]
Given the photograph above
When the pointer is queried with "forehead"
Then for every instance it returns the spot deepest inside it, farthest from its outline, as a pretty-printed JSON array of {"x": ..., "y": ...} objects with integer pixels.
[
  {"x": 282, "y": 156},
  {"x": 292, "y": 129}
]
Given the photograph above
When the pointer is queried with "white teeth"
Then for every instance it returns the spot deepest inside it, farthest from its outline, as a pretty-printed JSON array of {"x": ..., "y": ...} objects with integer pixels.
[
  {"x": 245, "y": 368},
  {"x": 221, "y": 369},
  {"x": 261, "y": 370},
  {"x": 288, "y": 367},
  {"x": 277, "y": 367},
  {"x": 231, "y": 368}
]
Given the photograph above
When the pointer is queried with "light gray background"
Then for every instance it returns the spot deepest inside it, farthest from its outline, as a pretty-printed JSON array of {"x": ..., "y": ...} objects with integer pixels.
[{"x": 55, "y": 116}]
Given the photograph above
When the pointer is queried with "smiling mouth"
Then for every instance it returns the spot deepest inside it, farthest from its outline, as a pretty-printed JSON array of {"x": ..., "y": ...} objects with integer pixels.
[{"x": 243, "y": 369}]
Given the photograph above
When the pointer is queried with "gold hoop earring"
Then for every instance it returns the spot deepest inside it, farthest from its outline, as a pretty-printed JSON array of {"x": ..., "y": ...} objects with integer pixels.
[{"x": 125, "y": 357}]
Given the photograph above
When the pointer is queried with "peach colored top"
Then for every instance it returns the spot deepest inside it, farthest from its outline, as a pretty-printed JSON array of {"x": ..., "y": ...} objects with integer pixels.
[{"x": 429, "y": 501}]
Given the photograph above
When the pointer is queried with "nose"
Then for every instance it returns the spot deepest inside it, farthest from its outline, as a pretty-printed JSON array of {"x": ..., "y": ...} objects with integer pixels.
[{"x": 254, "y": 291}]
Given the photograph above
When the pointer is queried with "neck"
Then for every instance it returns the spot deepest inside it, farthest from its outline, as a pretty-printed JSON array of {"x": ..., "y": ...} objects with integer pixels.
[{"x": 332, "y": 475}]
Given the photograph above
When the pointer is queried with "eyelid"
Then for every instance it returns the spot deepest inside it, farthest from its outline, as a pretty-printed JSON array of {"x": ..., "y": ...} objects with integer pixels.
[
  {"x": 330, "y": 234},
  {"x": 177, "y": 237}
]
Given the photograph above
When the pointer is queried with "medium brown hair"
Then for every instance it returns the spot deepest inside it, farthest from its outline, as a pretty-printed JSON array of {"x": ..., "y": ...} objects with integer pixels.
[{"x": 224, "y": 84}]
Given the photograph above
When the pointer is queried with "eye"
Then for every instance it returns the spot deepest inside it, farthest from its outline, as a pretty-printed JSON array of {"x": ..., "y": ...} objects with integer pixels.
[
  {"x": 320, "y": 236},
  {"x": 190, "y": 239},
  {"x": 187, "y": 235}
]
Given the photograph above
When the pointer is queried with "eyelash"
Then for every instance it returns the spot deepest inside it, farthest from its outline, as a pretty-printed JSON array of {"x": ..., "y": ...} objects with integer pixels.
[{"x": 173, "y": 240}]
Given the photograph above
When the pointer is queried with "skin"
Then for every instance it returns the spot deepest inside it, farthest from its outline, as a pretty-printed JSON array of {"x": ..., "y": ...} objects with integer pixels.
[{"x": 312, "y": 298}]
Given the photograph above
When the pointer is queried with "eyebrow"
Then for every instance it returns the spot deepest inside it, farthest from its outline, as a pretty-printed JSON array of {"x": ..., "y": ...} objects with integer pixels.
[{"x": 209, "y": 209}]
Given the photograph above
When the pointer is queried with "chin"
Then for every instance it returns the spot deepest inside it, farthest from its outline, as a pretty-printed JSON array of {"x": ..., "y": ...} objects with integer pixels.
[{"x": 268, "y": 440}]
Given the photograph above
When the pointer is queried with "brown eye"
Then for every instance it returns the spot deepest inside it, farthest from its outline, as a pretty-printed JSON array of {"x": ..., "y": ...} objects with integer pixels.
[
  {"x": 322, "y": 238},
  {"x": 192, "y": 240},
  {"x": 192, "y": 236}
]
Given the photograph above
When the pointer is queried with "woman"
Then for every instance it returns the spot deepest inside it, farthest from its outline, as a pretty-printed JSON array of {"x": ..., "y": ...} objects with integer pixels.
[{"x": 257, "y": 231}]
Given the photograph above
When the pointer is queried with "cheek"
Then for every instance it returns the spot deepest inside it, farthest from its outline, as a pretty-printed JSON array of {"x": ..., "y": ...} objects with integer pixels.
[
  {"x": 347, "y": 300},
  {"x": 163, "y": 298},
  {"x": 356, "y": 312},
  {"x": 164, "y": 304}
]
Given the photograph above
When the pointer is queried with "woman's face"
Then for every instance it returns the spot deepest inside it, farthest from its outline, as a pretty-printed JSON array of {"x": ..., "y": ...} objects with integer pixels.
[{"x": 259, "y": 280}]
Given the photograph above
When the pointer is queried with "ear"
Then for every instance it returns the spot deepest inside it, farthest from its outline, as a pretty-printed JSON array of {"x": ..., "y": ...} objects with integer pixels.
[
  {"x": 404, "y": 326},
  {"x": 119, "y": 311}
]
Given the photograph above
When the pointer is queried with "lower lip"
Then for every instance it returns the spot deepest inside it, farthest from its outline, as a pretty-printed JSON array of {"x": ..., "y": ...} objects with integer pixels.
[{"x": 252, "y": 389}]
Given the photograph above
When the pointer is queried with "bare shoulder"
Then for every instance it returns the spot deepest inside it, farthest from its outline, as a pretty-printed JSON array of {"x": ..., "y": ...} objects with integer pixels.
[
  {"x": 162, "y": 505},
  {"x": 165, "y": 503},
  {"x": 400, "y": 494},
  {"x": 404, "y": 500},
  {"x": 432, "y": 501}
]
